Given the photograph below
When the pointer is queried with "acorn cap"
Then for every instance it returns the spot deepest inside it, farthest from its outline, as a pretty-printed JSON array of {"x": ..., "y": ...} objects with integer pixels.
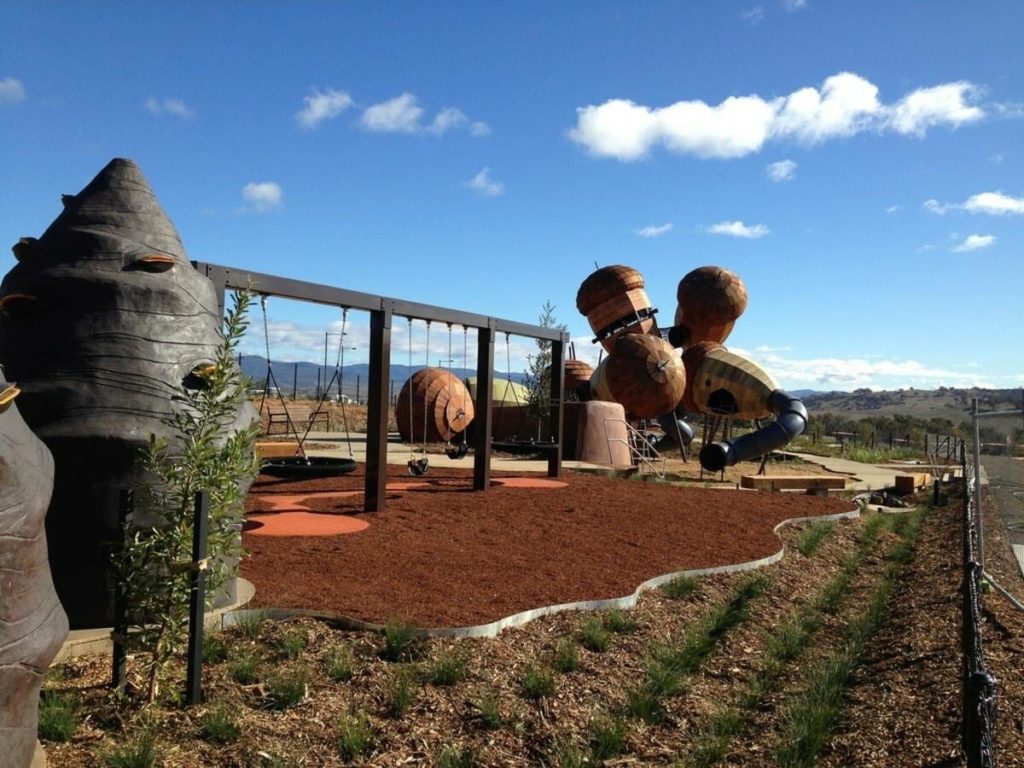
[
  {"x": 711, "y": 296},
  {"x": 605, "y": 284}
]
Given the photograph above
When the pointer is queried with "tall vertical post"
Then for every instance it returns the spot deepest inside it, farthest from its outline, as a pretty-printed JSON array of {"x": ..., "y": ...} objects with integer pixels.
[
  {"x": 197, "y": 600},
  {"x": 358, "y": 393},
  {"x": 295, "y": 380},
  {"x": 119, "y": 636},
  {"x": 555, "y": 409},
  {"x": 977, "y": 484},
  {"x": 377, "y": 408},
  {"x": 484, "y": 418}
]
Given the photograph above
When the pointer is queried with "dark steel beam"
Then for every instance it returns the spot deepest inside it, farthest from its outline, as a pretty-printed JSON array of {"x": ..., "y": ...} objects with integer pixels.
[
  {"x": 555, "y": 410},
  {"x": 484, "y": 412},
  {"x": 317, "y": 293},
  {"x": 377, "y": 409}
]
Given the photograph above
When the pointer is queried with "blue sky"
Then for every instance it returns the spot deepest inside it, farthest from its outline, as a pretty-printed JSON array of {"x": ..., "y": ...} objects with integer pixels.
[{"x": 860, "y": 166}]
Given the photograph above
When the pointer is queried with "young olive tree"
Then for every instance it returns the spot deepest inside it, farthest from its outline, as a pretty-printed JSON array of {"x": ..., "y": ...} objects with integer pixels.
[
  {"x": 209, "y": 452},
  {"x": 538, "y": 374}
]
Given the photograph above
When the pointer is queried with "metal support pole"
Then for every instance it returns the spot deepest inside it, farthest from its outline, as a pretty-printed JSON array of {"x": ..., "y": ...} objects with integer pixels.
[
  {"x": 484, "y": 415},
  {"x": 295, "y": 380},
  {"x": 197, "y": 600},
  {"x": 977, "y": 485},
  {"x": 358, "y": 394},
  {"x": 555, "y": 409},
  {"x": 119, "y": 636},
  {"x": 377, "y": 409}
]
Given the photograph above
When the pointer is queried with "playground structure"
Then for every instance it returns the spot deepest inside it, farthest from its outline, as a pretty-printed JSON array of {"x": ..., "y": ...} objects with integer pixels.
[
  {"x": 383, "y": 311},
  {"x": 644, "y": 373}
]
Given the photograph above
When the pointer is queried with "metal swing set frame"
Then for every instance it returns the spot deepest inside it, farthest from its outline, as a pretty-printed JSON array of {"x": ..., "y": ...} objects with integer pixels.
[{"x": 382, "y": 311}]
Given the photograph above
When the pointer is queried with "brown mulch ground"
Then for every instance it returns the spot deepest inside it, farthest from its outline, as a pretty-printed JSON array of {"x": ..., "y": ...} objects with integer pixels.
[{"x": 452, "y": 557}]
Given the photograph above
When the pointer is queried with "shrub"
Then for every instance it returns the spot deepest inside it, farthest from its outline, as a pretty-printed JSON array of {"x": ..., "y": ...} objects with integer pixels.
[
  {"x": 339, "y": 664},
  {"x": 456, "y": 757},
  {"x": 645, "y": 704},
  {"x": 537, "y": 682},
  {"x": 618, "y": 622},
  {"x": 680, "y": 587},
  {"x": 219, "y": 726},
  {"x": 215, "y": 649},
  {"x": 250, "y": 624},
  {"x": 810, "y": 539},
  {"x": 291, "y": 642},
  {"x": 58, "y": 716},
  {"x": 355, "y": 736},
  {"x": 399, "y": 641},
  {"x": 244, "y": 670},
  {"x": 447, "y": 669},
  {"x": 137, "y": 750},
  {"x": 400, "y": 693},
  {"x": 566, "y": 657},
  {"x": 607, "y": 737},
  {"x": 594, "y": 637},
  {"x": 490, "y": 712},
  {"x": 287, "y": 687}
]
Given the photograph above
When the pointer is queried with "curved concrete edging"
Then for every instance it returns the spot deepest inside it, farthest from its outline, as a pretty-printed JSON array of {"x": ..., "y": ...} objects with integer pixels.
[{"x": 494, "y": 628}]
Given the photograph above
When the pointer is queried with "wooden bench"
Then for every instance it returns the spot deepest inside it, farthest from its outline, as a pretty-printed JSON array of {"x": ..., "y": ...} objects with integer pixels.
[
  {"x": 791, "y": 482},
  {"x": 301, "y": 416},
  {"x": 912, "y": 481}
]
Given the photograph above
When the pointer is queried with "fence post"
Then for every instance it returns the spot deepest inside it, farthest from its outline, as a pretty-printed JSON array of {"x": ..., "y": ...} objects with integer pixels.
[
  {"x": 197, "y": 600},
  {"x": 119, "y": 635}
]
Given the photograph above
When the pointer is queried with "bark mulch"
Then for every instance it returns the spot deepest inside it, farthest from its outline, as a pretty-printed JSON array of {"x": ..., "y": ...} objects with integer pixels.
[{"x": 446, "y": 556}]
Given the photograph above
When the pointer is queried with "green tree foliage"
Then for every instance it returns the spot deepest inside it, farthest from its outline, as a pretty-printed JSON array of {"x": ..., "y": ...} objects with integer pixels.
[
  {"x": 207, "y": 453},
  {"x": 538, "y": 374}
]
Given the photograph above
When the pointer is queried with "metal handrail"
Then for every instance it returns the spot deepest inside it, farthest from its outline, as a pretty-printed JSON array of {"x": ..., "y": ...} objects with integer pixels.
[{"x": 641, "y": 449}]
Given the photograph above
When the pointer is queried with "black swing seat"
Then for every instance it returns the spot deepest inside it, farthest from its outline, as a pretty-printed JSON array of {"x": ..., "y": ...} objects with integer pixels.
[
  {"x": 458, "y": 451},
  {"x": 307, "y": 466},
  {"x": 418, "y": 467}
]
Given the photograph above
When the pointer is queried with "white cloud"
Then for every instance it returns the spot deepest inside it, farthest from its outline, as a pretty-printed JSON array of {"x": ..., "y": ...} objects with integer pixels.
[
  {"x": 654, "y": 231},
  {"x": 997, "y": 158},
  {"x": 403, "y": 114},
  {"x": 738, "y": 229},
  {"x": 483, "y": 184},
  {"x": 446, "y": 119},
  {"x": 944, "y": 104},
  {"x": 794, "y": 5},
  {"x": 992, "y": 203},
  {"x": 398, "y": 115},
  {"x": 974, "y": 243},
  {"x": 926, "y": 248},
  {"x": 934, "y": 206},
  {"x": 11, "y": 91},
  {"x": 854, "y": 372},
  {"x": 753, "y": 16},
  {"x": 844, "y": 105},
  {"x": 175, "y": 107},
  {"x": 784, "y": 170},
  {"x": 261, "y": 196},
  {"x": 894, "y": 209},
  {"x": 1011, "y": 109},
  {"x": 322, "y": 105}
]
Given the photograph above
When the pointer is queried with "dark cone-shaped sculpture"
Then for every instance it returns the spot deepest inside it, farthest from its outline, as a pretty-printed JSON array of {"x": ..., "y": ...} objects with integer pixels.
[
  {"x": 32, "y": 621},
  {"x": 444, "y": 398},
  {"x": 102, "y": 320}
]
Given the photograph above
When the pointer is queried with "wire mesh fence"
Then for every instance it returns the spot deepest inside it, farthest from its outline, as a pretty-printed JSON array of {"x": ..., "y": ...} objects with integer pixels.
[{"x": 979, "y": 686}]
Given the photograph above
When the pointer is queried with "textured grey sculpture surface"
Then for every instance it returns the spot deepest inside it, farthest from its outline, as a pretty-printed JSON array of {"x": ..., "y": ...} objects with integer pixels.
[
  {"x": 32, "y": 621},
  {"x": 104, "y": 319}
]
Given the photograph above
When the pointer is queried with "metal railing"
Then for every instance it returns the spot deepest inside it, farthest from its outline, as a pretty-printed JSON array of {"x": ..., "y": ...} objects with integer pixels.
[{"x": 642, "y": 450}]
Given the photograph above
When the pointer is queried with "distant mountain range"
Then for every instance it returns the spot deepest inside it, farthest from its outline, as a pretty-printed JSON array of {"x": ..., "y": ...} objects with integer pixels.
[{"x": 307, "y": 378}]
